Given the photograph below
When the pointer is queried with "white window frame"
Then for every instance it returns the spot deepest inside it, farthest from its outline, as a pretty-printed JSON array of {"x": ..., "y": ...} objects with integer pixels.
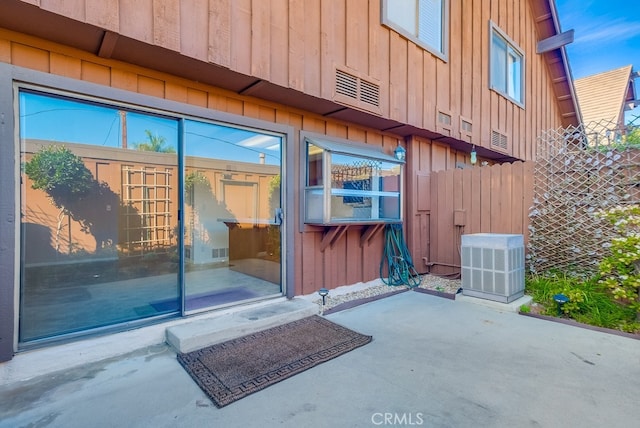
[
  {"x": 511, "y": 89},
  {"x": 417, "y": 30},
  {"x": 321, "y": 197}
]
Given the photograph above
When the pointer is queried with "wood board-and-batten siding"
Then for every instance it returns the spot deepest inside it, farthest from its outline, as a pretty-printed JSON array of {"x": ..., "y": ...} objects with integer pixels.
[
  {"x": 489, "y": 199},
  {"x": 302, "y": 45}
]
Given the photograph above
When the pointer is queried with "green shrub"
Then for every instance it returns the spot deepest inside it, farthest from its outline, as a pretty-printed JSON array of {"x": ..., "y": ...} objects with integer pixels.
[
  {"x": 620, "y": 270},
  {"x": 525, "y": 309},
  {"x": 590, "y": 301}
]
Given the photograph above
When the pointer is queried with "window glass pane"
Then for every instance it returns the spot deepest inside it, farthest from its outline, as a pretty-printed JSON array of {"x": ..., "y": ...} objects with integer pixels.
[
  {"x": 350, "y": 208},
  {"x": 232, "y": 144},
  {"x": 514, "y": 67},
  {"x": 354, "y": 173},
  {"x": 506, "y": 67},
  {"x": 359, "y": 184},
  {"x": 314, "y": 165},
  {"x": 390, "y": 207},
  {"x": 423, "y": 20},
  {"x": 231, "y": 214},
  {"x": 498, "y": 63},
  {"x": 99, "y": 205},
  {"x": 430, "y": 23},
  {"x": 403, "y": 13},
  {"x": 314, "y": 205}
]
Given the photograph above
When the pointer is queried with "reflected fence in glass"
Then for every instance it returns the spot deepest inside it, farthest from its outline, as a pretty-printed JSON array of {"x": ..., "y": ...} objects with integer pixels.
[
  {"x": 231, "y": 230},
  {"x": 100, "y": 231},
  {"x": 99, "y": 215}
]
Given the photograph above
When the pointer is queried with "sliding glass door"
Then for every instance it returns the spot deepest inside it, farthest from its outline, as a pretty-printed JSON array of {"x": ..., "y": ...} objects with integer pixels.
[
  {"x": 232, "y": 214},
  {"x": 130, "y": 214},
  {"x": 99, "y": 215}
]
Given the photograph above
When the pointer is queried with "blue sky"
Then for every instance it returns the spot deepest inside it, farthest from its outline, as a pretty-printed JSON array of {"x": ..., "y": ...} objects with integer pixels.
[
  {"x": 607, "y": 36},
  {"x": 42, "y": 116}
]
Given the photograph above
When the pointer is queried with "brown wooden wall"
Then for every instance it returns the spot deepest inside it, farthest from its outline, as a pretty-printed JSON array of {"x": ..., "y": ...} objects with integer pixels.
[
  {"x": 489, "y": 199},
  {"x": 298, "y": 44},
  {"x": 346, "y": 262}
]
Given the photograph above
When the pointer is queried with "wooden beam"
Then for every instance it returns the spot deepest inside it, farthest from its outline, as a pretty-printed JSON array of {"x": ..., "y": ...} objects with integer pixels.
[
  {"x": 369, "y": 232},
  {"x": 555, "y": 42},
  {"x": 332, "y": 235},
  {"x": 108, "y": 44},
  {"x": 544, "y": 17}
]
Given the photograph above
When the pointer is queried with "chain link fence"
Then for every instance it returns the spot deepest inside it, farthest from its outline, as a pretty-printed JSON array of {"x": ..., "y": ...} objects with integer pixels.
[{"x": 578, "y": 172}]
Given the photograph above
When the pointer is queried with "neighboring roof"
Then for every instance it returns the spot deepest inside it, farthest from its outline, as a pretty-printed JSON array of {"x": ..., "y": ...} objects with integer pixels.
[{"x": 605, "y": 96}]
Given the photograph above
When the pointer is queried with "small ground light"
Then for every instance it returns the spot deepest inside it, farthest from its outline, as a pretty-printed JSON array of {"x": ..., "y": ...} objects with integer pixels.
[
  {"x": 560, "y": 299},
  {"x": 323, "y": 292}
]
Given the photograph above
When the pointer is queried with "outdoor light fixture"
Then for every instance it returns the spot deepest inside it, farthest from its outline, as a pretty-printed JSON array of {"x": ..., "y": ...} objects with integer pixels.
[
  {"x": 560, "y": 299},
  {"x": 323, "y": 292},
  {"x": 400, "y": 153},
  {"x": 474, "y": 155}
]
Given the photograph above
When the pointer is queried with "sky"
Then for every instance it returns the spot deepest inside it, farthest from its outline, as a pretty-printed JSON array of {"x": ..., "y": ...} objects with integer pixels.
[
  {"x": 91, "y": 123},
  {"x": 607, "y": 36}
]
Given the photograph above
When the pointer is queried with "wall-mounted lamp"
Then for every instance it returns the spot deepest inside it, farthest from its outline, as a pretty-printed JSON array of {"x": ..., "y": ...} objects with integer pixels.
[
  {"x": 400, "y": 153},
  {"x": 474, "y": 156}
]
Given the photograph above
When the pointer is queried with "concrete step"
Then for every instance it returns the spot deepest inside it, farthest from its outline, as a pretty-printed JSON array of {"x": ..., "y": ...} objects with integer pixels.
[{"x": 195, "y": 335}]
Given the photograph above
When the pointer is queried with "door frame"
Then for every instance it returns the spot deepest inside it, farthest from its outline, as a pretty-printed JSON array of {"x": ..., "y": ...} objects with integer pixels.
[{"x": 10, "y": 209}]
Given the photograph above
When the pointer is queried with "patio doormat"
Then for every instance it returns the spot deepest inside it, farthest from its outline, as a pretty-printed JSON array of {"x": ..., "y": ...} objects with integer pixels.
[{"x": 236, "y": 368}]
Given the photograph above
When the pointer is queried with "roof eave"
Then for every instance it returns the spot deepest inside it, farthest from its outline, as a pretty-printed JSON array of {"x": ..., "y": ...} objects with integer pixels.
[{"x": 548, "y": 25}]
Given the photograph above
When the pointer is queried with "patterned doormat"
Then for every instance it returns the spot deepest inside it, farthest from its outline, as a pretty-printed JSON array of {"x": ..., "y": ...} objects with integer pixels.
[{"x": 236, "y": 368}]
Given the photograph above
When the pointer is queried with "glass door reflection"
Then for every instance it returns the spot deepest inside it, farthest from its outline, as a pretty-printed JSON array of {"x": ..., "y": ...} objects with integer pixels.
[
  {"x": 99, "y": 205},
  {"x": 231, "y": 215}
]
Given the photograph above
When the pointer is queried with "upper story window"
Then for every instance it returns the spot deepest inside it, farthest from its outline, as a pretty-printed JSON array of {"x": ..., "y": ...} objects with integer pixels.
[
  {"x": 507, "y": 66},
  {"x": 422, "y": 21}
]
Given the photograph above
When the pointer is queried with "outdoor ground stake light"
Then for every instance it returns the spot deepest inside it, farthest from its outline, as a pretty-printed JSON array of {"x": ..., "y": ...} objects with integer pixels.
[
  {"x": 560, "y": 299},
  {"x": 323, "y": 292}
]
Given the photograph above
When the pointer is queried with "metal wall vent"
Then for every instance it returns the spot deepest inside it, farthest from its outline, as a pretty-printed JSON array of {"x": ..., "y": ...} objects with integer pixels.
[
  {"x": 357, "y": 92},
  {"x": 217, "y": 253},
  {"x": 346, "y": 84},
  {"x": 466, "y": 130},
  {"x": 443, "y": 122},
  {"x": 370, "y": 93},
  {"x": 499, "y": 140},
  {"x": 444, "y": 118}
]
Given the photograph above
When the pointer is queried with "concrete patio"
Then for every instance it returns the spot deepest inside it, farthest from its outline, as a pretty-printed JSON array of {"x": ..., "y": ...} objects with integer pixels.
[{"x": 433, "y": 362}]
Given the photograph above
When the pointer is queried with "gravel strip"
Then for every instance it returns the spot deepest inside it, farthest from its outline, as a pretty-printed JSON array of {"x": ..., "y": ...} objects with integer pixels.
[{"x": 375, "y": 288}]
